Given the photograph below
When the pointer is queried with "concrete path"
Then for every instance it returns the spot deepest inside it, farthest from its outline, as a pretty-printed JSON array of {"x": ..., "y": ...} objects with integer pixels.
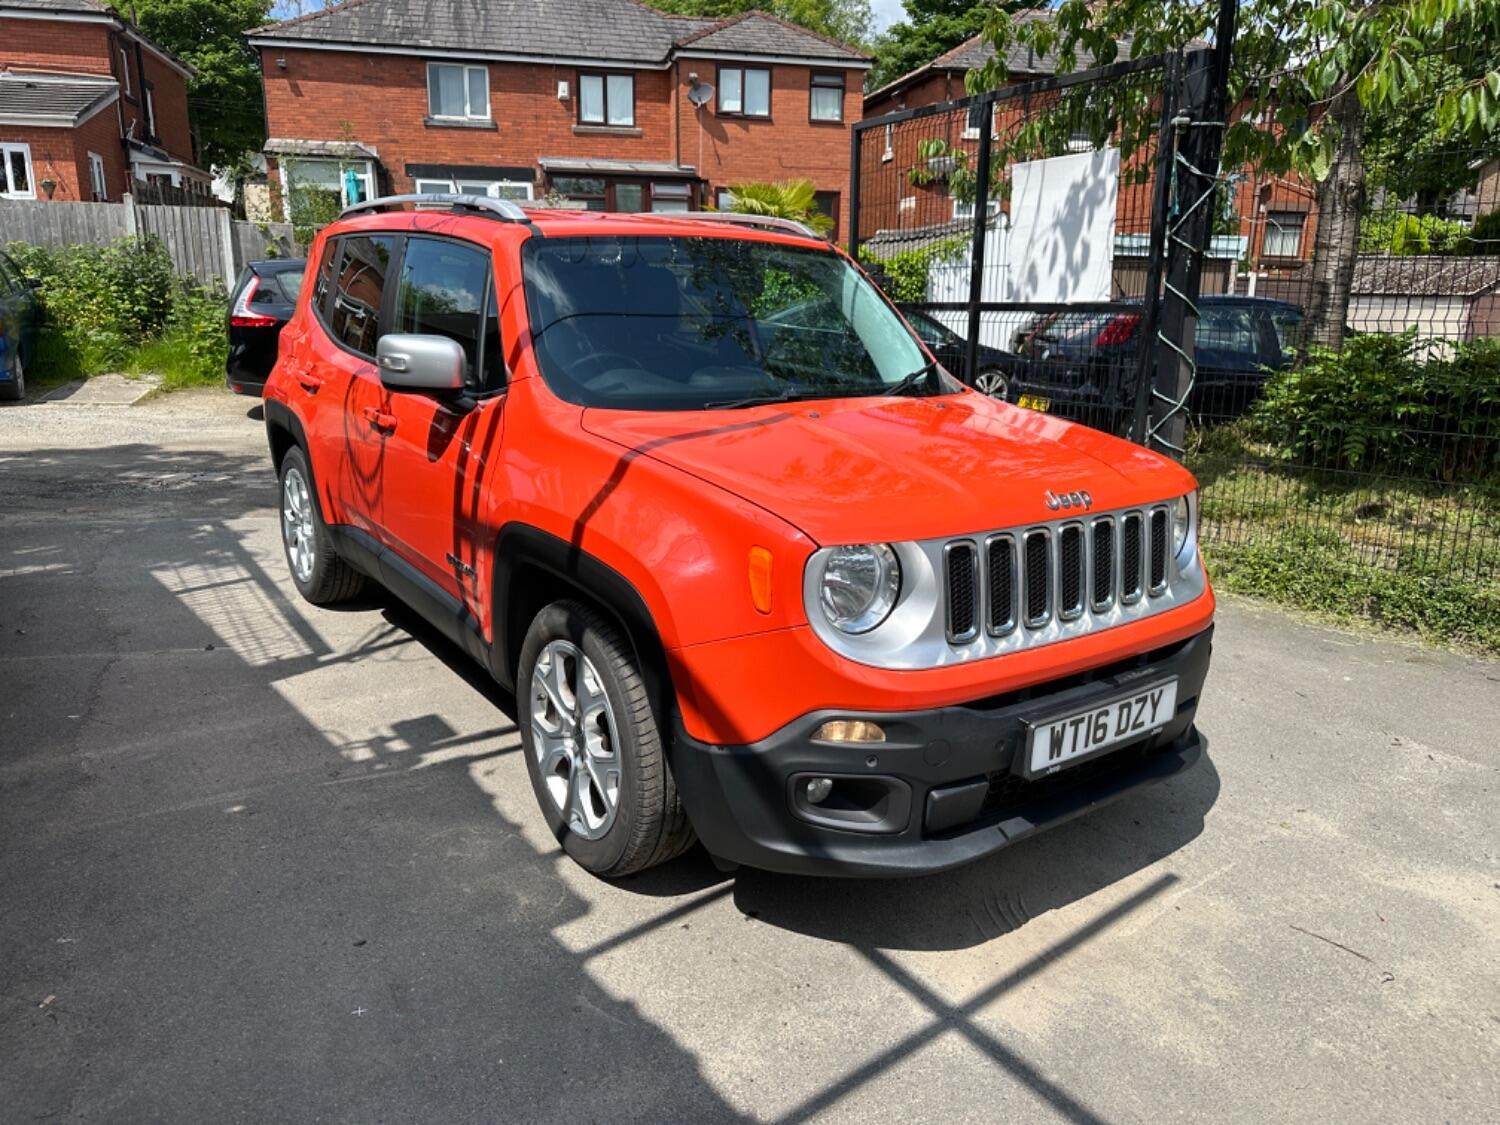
[
  {"x": 102, "y": 390},
  {"x": 264, "y": 862}
]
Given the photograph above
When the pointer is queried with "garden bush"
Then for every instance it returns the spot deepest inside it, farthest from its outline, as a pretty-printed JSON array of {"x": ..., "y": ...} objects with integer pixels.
[
  {"x": 115, "y": 307},
  {"x": 1390, "y": 404},
  {"x": 904, "y": 275}
]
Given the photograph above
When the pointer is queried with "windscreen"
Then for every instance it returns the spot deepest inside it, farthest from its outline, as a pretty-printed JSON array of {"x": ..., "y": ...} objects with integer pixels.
[{"x": 664, "y": 323}]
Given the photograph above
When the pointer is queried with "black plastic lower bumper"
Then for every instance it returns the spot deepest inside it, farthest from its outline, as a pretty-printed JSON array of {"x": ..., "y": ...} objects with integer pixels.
[{"x": 946, "y": 787}]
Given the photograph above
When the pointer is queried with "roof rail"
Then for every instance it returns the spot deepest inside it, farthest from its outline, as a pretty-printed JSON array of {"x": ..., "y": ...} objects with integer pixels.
[
  {"x": 768, "y": 222},
  {"x": 504, "y": 209}
]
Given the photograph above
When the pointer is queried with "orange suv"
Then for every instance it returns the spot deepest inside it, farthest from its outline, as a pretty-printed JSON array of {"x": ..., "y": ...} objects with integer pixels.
[{"x": 756, "y": 568}]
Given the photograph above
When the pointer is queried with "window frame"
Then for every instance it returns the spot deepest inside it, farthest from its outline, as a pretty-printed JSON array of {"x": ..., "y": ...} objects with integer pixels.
[
  {"x": 1282, "y": 230},
  {"x": 390, "y": 307},
  {"x": 825, "y": 80},
  {"x": 98, "y": 178},
  {"x": 743, "y": 71},
  {"x": 387, "y": 292},
  {"x": 468, "y": 114},
  {"x": 603, "y": 121},
  {"x": 7, "y": 185},
  {"x": 451, "y": 185},
  {"x": 126, "y": 88},
  {"x": 149, "y": 102}
]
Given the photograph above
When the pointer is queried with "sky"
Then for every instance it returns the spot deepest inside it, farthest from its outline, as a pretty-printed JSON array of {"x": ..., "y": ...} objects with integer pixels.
[{"x": 886, "y": 12}]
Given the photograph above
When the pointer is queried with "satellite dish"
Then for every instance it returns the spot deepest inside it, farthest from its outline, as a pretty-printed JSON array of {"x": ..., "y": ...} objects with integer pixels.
[{"x": 699, "y": 94}]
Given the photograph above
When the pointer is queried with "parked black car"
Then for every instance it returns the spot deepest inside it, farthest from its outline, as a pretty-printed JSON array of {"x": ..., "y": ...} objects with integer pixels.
[
  {"x": 1083, "y": 362},
  {"x": 994, "y": 370},
  {"x": 263, "y": 301},
  {"x": 18, "y": 327}
]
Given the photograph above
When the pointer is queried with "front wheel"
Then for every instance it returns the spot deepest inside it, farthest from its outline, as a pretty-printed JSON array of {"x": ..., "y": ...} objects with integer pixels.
[
  {"x": 14, "y": 388},
  {"x": 593, "y": 747},
  {"x": 994, "y": 384}
]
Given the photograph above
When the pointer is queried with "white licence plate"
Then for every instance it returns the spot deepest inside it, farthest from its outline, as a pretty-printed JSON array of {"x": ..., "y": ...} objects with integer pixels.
[{"x": 1060, "y": 742}]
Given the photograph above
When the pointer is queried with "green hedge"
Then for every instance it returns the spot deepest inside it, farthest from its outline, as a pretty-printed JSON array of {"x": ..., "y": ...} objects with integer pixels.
[
  {"x": 121, "y": 307},
  {"x": 1392, "y": 404}
]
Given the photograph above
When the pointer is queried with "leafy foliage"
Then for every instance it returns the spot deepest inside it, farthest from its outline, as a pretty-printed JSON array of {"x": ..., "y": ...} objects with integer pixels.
[
  {"x": 225, "y": 96},
  {"x": 1395, "y": 232},
  {"x": 105, "y": 308},
  {"x": 1390, "y": 404},
  {"x": 845, "y": 20},
  {"x": 783, "y": 199},
  {"x": 903, "y": 276},
  {"x": 931, "y": 28}
]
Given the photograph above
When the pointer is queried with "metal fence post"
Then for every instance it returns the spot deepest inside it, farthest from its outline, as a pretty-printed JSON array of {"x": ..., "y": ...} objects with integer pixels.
[
  {"x": 981, "y": 225},
  {"x": 854, "y": 145},
  {"x": 1161, "y": 202}
]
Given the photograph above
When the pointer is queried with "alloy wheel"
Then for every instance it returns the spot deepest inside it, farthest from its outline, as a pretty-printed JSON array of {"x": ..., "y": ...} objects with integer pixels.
[
  {"x": 297, "y": 529},
  {"x": 574, "y": 739},
  {"x": 992, "y": 383}
]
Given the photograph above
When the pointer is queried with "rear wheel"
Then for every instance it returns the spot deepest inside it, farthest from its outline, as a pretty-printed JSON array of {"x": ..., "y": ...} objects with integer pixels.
[
  {"x": 593, "y": 745},
  {"x": 320, "y": 575},
  {"x": 14, "y": 388},
  {"x": 994, "y": 384}
]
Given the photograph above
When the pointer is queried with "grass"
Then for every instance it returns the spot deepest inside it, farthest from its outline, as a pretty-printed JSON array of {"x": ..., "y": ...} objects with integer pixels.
[
  {"x": 177, "y": 360},
  {"x": 1421, "y": 556}
]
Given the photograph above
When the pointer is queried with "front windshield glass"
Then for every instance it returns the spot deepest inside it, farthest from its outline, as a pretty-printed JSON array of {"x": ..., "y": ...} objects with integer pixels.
[{"x": 669, "y": 323}]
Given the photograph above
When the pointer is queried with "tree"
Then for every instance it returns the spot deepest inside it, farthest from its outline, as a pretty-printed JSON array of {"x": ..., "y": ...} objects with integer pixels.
[
  {"x": 1306, "y": 79},
  {"x": 225, "y": 97},
  {"x": 845, "y": 20},
  {"x": 931, "y": 27},
  {"x": 784, "y": 199}
]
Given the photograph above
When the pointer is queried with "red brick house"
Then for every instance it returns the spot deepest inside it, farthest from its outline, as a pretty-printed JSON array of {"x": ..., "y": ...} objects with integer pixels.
[
  {"x": 88, "y": 105},
  {"x": 597, "y": 101}
]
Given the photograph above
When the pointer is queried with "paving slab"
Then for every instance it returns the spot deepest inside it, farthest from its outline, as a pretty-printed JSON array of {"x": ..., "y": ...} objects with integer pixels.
[{"x": 102, "y": 390}]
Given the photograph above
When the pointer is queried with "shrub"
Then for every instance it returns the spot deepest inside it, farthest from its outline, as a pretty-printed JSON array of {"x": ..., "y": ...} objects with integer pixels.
[
  {"x": 1484, "y": 235},
  {"x": 905, "y": 274},
  {"x": 1394, "y": 232},
  {"x": 122, "y": 307},
  {"x": 1389, "y": 403}
]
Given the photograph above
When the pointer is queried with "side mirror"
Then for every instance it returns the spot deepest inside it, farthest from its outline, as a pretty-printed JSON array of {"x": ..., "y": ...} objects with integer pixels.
[{"x": 426, "y": 364}]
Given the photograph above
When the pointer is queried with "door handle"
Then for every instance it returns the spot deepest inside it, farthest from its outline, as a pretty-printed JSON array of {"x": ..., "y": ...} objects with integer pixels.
[
  {"x": 309, "y": 381},
  {"x": 379, "y": 419}
]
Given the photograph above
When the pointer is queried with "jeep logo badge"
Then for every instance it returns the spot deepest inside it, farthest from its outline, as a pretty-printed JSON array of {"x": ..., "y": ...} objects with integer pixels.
[{"x": 1078, "y": 499}]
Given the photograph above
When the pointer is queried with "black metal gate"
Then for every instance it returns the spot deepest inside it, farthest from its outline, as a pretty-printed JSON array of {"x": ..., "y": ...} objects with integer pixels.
[{"x": 1066, "y": 285}]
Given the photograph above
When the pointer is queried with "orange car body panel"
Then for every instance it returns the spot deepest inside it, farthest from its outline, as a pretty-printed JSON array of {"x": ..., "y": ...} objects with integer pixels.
[{"x": 675, "y": 502}]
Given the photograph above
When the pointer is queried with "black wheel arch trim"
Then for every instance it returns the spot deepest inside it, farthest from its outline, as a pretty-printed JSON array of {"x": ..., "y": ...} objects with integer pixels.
[{"x": 519, "y": 546}]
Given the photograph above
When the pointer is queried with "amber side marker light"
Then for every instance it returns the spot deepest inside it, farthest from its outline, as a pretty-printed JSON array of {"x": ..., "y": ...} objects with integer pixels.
[
  {"x": 849, "y": 730},
  {"x": 760, "y": 579}
]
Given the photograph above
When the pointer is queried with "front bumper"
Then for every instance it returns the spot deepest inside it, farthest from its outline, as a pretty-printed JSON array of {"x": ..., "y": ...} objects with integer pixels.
[{"x": 941, "y": 789}]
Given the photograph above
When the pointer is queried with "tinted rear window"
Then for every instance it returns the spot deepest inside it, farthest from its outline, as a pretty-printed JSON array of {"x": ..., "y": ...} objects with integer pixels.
[{"x": 279, "y": 288}]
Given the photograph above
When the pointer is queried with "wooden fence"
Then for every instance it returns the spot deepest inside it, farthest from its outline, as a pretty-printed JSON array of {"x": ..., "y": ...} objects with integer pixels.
[{"x": 205, "y": 244}]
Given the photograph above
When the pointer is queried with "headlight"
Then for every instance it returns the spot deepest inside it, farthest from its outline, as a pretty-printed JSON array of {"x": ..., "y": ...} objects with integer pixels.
[
  {"x": 859, "y": 586},
  {"x": 1182, "y": 524}
]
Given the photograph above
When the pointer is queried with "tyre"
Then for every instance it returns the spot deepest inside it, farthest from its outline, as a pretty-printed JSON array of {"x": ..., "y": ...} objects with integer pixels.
[
  {"x": 317, "y": 571},
  {"x": 594, "y": 747},
  {"x": 993, "y": 383},
  {"x": 14, "y": 388}
]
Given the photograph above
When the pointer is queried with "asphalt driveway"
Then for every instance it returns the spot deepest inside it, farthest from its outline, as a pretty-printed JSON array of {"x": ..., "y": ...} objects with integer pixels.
[{"x": 260, "y": 861}]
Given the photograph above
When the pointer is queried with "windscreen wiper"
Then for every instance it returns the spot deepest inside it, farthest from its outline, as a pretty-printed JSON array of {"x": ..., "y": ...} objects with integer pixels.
[
  {"x": 909, "y": 383},
  {"x": 789, "y": 394}
]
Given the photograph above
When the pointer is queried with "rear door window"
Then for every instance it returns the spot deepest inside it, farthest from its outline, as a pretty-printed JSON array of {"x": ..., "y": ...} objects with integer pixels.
[
  {"x": 360, "y": 289},
  {"x": 444, "y": 291},
  {"x": 278, "y": 288}
]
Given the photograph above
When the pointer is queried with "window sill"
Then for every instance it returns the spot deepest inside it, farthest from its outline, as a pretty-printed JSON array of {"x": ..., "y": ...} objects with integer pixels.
[
  {"x": 839, "y": 122},
  {"x": 745, "y": 116},
  {"x": 458, "y": 123},
  {"x": 887, "y": 156},
  {"x": 607, "y": 130}
]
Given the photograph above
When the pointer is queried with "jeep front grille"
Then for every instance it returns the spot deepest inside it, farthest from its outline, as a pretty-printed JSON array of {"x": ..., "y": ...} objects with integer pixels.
[{"x": 1071, "y": 571}]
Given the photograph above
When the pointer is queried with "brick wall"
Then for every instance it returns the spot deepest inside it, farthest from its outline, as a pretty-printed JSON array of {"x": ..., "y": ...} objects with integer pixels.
[
  {"x": 53, "y": 157},
  {"x": 56, "y": 45},
  {"x": 787, "y": 145},
  {"x": 381, "y": 101},
  {"x": 169, "y": 100}
]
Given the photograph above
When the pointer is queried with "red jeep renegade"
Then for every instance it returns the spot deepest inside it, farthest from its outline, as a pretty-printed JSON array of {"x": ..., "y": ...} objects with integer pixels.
[{"x": 757, "y": 569}]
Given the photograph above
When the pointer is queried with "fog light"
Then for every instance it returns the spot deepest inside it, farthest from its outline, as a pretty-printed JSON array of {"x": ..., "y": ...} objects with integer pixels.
[
  {"x": 849, "y": 730},
  {"x": 818, "y": 789}
]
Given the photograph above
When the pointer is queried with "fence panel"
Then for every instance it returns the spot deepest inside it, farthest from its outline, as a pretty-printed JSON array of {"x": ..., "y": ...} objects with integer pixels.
[
  {"x": 255, "y": 242},
  {"x": 195, "y": 238},
  {"x": 1029, "y": 252},
  {"x": 43, "y": 223}
]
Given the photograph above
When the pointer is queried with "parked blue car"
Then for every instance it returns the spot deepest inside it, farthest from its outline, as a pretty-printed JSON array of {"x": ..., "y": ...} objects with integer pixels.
[{"x": 18, "y": 327}]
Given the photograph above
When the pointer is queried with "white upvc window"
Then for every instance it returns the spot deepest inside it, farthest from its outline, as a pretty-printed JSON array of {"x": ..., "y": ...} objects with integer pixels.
[
  {"x": 495, "y": 189},
  {"x": 459, "y": 93},
  {"x": 97, "y": 179},
  {"x": 150, "y": 115},
  {"x": 965, "y": 210},
  {"x": 125, "y": 72},
  {"x": 16, "y": 180},
  {"x": 342, "y": 183},
  {"x": 1283, "y": 234}
]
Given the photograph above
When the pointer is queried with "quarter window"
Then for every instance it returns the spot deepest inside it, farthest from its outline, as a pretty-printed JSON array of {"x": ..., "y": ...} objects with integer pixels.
[
  {"x": 606, "y": 99},
  {"x": 359, "y": 291},
  {"x": 458, "y": 92},
  {"x": 15, "y": 172},
  {"x": 443, "y": 293},
  {"x": 744, "y": 91},
  {"x": 827, "y": 98}
]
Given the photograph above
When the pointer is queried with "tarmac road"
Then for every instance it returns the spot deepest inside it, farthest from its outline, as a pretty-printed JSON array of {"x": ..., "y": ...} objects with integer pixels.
[{"x": 260, "y": 861}]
